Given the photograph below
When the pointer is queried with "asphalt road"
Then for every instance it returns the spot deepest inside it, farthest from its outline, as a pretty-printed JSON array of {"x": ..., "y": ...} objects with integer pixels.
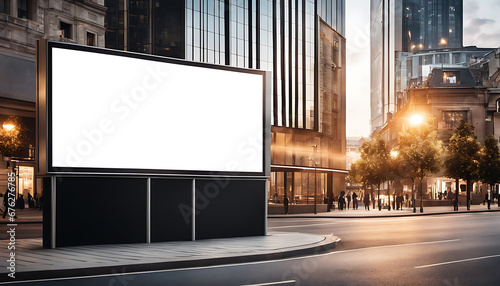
[{"x": 455, "y": 249}]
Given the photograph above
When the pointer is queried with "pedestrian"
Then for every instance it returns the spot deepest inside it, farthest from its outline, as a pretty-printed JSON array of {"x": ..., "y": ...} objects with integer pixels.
[
  {"x": 366, "y": 202},
  {"x": 455, "y": 201},
  {"x": 5, "y": 202},
  {"x": 30, "y": 200},
  {"x": 285, "y": 203},
  {"x": 488, "y": 197},
  {"x": 348, "y": 200},
  {"x": 330, "y": 202},
  {"x": 20, "y": 199},
  {"x": 355, "y": 201}
]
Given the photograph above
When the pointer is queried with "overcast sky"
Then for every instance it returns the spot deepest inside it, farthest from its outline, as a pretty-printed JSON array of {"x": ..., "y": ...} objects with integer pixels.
[{"x": 481, "y": 29}]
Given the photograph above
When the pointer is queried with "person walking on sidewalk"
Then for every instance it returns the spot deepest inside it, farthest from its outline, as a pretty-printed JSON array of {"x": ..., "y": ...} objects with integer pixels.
[
  {"x": 348, "y": 200},
  {"x": 488, "y": 197},
  {"x": 285, "y": 203},
  {"x": 366, "y": 201},
  {"x": 354, "y": 201},
  {"x": 5, "y": 203}
]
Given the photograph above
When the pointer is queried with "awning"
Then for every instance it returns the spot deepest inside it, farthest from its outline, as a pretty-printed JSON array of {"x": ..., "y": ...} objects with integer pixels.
[{"x": 283, "y": 168}]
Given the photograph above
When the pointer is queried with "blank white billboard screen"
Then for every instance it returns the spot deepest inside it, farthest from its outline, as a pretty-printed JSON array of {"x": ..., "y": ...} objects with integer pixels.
[{"x": 117, "y": 112}]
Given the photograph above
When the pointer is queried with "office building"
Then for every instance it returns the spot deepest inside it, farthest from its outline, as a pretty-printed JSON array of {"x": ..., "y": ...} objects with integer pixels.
[
  {"x": 22, "y": 23},
  {"x": 407, "y": 26},
  {"x": 300, "y": 41}
]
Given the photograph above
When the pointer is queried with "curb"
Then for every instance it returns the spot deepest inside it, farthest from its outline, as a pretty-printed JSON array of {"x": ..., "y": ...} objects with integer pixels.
[
  {"x": 22, "y": 222},
  {"x": 327, "y": 244},
  {"x": 380, "y": 216}
]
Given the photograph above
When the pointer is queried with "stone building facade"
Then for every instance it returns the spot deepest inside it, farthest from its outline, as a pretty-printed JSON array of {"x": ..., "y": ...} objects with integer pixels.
[
  {"x": 449, "y": 96},
  {"x": 22, "y": 23}
]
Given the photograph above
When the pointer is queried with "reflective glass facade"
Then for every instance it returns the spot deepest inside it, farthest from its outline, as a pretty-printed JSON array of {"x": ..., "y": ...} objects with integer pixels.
[
  {"x": 432, "y": 24},
  {"x": 146, "y": 26},
  {"x": 413, "y": 69},
  {"x": 300, "y": 42},
  {"x": 406, "y": 26}
]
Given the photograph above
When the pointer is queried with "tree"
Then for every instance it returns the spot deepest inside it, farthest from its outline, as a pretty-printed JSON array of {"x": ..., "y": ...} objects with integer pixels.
[
  {"x": 357, "y": 173},
  {"x": 375, "y": 154},
  {"x": 12, "y": 136},
  {"x": 489, "y": 162},
  {"x": 462, "y": 157},
  {"x": 419, "y": 150}
]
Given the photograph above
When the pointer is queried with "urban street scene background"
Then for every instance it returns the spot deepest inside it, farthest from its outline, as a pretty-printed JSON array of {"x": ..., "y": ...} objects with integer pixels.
[{"x": 249, "y": 142}]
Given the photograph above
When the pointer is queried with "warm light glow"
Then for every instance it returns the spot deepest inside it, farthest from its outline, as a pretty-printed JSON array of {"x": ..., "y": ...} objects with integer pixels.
[
  {"x": 451, "y": 31},
  {"x": 420, "y": 46},
  {"x": 416, "y": 119},
  {"x": 394, "y": 153},
  {"x": 8, "y": 126},
  {"x": 412, "y": 47},
  {"x": 443, "y": 41}
]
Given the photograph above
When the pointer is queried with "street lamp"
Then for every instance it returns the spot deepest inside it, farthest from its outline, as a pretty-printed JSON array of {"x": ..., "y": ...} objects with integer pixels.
[
  {"x": 394, "y": 155},
  {"x": 315, "y": 165},
  {"x": 421, "y": 197},
  {"x": 416, "y": 120}
]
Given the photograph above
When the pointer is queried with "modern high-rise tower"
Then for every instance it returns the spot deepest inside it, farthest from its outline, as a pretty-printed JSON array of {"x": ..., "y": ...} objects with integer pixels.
[
  {"x": 300, "y": 41},
  {"x": 406, "y": 26}
]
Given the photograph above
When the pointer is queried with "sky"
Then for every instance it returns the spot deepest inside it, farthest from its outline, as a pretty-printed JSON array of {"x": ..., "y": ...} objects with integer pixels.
[{"x": 481, "y": 29}]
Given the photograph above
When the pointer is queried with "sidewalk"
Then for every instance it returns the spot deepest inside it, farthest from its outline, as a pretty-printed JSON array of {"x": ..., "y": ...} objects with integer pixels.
[
  {"x": 34, "y": 262},
  {"x": 27, "y": 215},
  {"x": 375, "y": 213},
  {"x": 35, "y": 215}
]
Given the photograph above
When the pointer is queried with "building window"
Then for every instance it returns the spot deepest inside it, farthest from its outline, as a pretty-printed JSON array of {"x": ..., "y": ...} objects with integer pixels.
[
  {"x": 25, "y": 9},
  {"x": 91, "y": 39},
  {"x": 451, "y": 78},
  {"x": 452, "y": 118},
  {"x": 65, "y": 30},
  {"x": 4, "y": 6}
]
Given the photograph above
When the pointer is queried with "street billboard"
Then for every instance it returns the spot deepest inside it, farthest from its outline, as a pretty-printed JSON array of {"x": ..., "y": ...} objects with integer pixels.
[{"x": 107, "y": 111}]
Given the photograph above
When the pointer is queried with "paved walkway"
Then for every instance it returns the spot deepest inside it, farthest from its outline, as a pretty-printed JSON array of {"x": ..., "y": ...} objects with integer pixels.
[
  {"x": 35, "y": 215},
  {"x": 35, "y": 262},
  {"x": 27, "y": 215},
  {"x": 361, "y": 212}
]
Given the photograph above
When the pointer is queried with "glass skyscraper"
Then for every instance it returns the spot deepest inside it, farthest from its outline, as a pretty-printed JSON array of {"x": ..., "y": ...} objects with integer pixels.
[
  {"x": 407, "y": 26},
  {"x": 300, "y": 41},
  {"x": 431, "y": 25}
]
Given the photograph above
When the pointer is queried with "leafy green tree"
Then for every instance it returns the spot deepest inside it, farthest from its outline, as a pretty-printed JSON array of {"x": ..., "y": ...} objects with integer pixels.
[
  {"x": 462, "y": 157},
  {"x": 375, "y": 154},
  {"x": 489, "y": 162},
  {"x": 419, "y": 150}
]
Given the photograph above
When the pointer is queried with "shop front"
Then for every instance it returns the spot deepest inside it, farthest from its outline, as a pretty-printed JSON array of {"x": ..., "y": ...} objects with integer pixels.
[{"x": 307, "y": 189}]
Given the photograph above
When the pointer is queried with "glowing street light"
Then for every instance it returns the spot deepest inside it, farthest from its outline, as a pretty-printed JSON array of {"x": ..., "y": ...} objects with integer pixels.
[
  {"x": 394, "y": 153},
  {"x": 416, "y": 119},
  {"x": 8, "y": 126}
]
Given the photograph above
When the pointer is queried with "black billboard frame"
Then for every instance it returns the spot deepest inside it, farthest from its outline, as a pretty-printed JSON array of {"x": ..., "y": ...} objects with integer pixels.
[{"x": 44, "y": 101}]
